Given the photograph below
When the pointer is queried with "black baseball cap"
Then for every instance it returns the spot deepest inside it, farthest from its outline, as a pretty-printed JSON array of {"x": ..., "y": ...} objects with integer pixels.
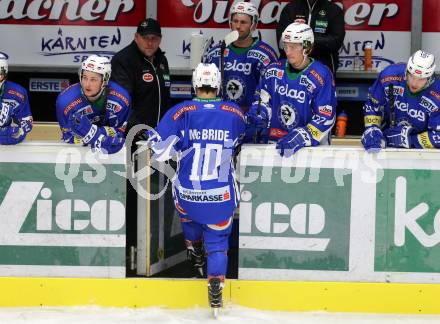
[{"x": 149, "y": 26}]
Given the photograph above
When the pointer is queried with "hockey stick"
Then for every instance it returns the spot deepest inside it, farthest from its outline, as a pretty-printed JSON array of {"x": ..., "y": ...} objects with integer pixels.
[
  {"x": 391, "y": 105},
  {"x": 206, "y": 48},
  {"x": 228, "y": 40},
  {"x": 262, "y": 97}
]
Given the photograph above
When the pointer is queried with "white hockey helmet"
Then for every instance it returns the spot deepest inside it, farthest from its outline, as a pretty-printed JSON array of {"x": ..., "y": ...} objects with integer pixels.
[
  {"x": 3, "y": 65},
  {"x": 246, "y": 8},
  {"x": 97, "y": 64},
  {"x": 206, "y": 75},
  {"x": 298, "y": 33},
  {"x": 421, "y": 64}
]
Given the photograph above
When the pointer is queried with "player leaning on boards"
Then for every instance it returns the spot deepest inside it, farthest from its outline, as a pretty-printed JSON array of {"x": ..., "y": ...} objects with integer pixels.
[
  {"x": 297, "y": 104},
  {"x": 204, "y": 133},
  {"x": 94, "y": 111},
  {"x": 402, "y": 109},
  {"x": 15, "y": 113},
  {"x": 245, "y": 59}
]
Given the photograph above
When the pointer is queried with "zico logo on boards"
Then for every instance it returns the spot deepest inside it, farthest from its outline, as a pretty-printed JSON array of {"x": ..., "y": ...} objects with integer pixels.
[
  {"x": 407, "y": 220},
  {"x": 301, "y": 224},
  {"x": 32, "y": 202},
  {"x": 302, "y": 218}
]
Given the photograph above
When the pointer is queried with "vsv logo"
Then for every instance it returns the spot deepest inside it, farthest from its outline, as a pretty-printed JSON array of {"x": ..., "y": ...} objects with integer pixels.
[
  {"x": 278, "y": 220},
  {"x": 406, "y": 220},
  {"x": 25, "y": 200}
]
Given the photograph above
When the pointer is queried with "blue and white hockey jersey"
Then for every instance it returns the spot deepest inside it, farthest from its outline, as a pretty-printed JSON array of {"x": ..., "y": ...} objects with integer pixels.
[
  {"x": 304, "y": 99},
  {"x": 15, "y": 113},
  {"x": 112, "y": 116},
  {"x": 420, "y": 110},
  {"x": 243, "y": 70},
  {"x": 205, "y": 133}
]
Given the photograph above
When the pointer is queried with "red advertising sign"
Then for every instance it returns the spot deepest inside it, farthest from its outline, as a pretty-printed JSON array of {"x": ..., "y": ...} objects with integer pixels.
[
  {"x": 80, "y": 12},
  {"x": 377, "y": 15},
  {"x": 374, "y": 15},
  {"x": 431, "y": 21}
]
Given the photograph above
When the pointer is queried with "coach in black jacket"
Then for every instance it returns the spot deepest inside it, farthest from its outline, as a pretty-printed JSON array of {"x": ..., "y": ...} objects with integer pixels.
[
  {"x": 142, "y": 69},
  {"x": 327, "y": 22}
]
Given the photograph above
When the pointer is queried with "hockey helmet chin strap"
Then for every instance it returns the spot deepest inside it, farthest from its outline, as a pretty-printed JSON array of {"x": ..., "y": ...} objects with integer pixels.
[{"x": 3, "y": 82}]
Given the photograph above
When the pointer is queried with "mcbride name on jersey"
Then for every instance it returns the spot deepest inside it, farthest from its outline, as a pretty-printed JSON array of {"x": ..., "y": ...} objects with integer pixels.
[
  {"x": 304, "y": 99},
  {"x": 420, "y": 110},
  {"x": 243, "y": 69},
  {"x": 112, "y": 115},
  {"x": 205, "y": 133},
  {"x": 16, "y": 115}
]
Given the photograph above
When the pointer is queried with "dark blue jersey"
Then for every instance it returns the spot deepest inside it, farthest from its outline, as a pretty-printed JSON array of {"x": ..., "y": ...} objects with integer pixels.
[
  {"x": 112, "y": 116},
  {"x": 17, "y": 122},
  {"x": 304, "y": 99},
  {"x": 205, "y": 133},
  {"x": 420, "y": 110},
  {"x": 243, "y": 70}
]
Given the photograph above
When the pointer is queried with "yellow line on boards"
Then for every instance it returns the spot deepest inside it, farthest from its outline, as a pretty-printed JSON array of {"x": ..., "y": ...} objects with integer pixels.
[
  {"x": 337, "y": 296},
  {"x": 180, "y": 293}
]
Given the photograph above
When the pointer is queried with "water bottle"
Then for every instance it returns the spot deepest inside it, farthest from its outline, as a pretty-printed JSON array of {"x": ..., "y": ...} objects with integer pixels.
[
  {"x": 357, "y": 62},
  {"x": 368, "y": 52},
  {"x": 341, "y": 124}
]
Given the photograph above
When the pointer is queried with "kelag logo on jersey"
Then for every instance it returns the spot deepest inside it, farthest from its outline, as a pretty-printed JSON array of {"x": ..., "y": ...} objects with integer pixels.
[
  {"x": 237, "y": 66},
  {"x": 413, "y": 113},
  {"x": 299, "y": 95}
]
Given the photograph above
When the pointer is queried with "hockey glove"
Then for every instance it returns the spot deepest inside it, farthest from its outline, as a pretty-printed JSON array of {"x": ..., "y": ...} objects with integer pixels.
[
  {"x": 108, "y": 144},
  {"x": 83, "y": 127},
  {"x": 164, "y": 150},
  {"x": 5, "y": 114},
  {"x": 259, "y": 116},
  {"x": 293, "y": 141},
  {"x": 372, "y": 139},
  {"x": 11, "y": 135},
  {"x": 398, "y": 136}
]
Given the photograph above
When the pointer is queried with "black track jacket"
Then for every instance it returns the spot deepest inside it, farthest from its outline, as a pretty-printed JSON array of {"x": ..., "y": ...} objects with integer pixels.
[{"x": 327, "y": 22}]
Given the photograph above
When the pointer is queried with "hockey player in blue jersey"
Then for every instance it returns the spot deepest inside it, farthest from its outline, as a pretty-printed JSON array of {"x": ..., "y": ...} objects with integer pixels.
[
  {"x": 15, "y": 113},
  {"x": 205, "y": 133},
  {"x": 295, "y": 103},
  {"x": 94, "y": 111},
  {"x": 403, "y": 104},
  {"x": 245, "y": 59}
]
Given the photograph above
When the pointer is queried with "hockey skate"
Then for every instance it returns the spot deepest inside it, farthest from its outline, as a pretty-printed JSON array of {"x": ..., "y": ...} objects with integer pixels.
[
  {"x": 196, "y": 256},
  {"x": 215, "y": 288}
]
